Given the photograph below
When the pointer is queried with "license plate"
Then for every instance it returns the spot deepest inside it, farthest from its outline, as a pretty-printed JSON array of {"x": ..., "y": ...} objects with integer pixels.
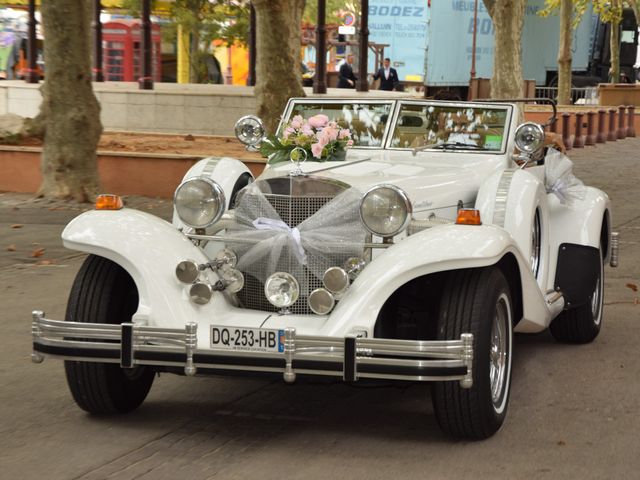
[{"x": 247, "y": 339}]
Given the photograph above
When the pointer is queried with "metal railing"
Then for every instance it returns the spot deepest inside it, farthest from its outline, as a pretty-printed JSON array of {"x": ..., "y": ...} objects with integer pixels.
[{"x": 579, "y": 96}]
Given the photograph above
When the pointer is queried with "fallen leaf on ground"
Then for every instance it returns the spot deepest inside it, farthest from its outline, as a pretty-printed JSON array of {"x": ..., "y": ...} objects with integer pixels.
[
  {"x": 17, "y": 225},
  {"x": 46, "y": 262},
  {"x": 632, "y": 286},
  {"x": 561, "y": 442},
  {"x": 189, "y": 138},
  {"x": 38, "y": 252},
  {"x": 11, "y": 248}
]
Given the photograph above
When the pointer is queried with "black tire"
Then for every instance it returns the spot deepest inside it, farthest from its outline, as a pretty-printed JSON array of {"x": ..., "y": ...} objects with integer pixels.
[
  {"x": 103, "y": 292},
  {"x": 582, "y": 324},
  {"x": 476, "y": 301}
]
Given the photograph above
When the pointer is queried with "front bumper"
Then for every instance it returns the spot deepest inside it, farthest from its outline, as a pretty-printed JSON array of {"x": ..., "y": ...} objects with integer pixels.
[{"x": 350, "y": 358}]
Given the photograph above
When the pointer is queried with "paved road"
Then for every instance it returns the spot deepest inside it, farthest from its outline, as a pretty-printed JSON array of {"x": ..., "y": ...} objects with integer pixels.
[{"x": 574, "y": 411}]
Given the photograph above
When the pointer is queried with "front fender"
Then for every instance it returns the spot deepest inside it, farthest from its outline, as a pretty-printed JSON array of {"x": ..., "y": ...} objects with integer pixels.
[
  {"x": 149, "y": 249},
  {"x": 438, "y": 249}
]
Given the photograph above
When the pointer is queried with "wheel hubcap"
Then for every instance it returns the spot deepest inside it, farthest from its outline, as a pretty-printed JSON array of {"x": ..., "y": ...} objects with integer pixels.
[{"x": 498, "y": 353}]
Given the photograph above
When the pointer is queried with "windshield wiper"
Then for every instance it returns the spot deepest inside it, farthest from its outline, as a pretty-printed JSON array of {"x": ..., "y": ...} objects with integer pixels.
[
  {"x": 456, "y": 146},
  {"x": 445, "y": 146}
]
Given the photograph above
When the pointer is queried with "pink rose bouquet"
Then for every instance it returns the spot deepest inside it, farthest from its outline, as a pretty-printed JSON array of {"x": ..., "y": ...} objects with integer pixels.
[{"x": 323, "y": 140}]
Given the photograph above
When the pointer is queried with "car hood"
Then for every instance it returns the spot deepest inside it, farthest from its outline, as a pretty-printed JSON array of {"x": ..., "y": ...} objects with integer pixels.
[{"x": 432, "y": 181}]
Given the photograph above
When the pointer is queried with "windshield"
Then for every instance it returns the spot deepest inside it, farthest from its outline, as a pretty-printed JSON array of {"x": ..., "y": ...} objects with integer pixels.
[
  {"x": 450, "y": 127},
  {"x": 366, "y": 121}
]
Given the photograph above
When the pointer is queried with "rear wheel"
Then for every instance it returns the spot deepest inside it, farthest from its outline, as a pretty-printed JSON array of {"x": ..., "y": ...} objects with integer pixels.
[
  {"x": 103, "y": 292},
  {"x": 477, "y": 301},
  {"x": 582, "y": 324}
]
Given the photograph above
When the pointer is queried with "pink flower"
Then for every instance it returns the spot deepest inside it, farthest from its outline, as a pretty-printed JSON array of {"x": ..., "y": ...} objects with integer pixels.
[
  {"x": 318, "y": 121},
  {"x": 307, "y": 130},
  {"x": 344, "y": 133},
  {"x": 323, "y": 139},
  {"x": 350, "y": 143},
  {"x": 288, "y": 132},
  {"x": 316, "y": 150},
  {"x": 297, "y": 121},
  {"x": 331, "y": 133}
]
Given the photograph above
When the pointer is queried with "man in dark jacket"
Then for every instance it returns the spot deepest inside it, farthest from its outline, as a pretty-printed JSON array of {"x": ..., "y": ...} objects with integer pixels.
[
  {"x": 346, "y": 78},
  {"x": 387, "y": 75}
]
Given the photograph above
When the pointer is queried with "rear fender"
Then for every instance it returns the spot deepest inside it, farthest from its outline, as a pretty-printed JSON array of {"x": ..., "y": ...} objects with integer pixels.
[
  {"x": 433, "y": 250},
  {"x": 580, "y": 223}
]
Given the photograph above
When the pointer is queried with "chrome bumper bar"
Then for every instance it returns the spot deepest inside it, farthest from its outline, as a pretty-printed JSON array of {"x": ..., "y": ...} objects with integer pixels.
[{"x": 350, "y": 358}]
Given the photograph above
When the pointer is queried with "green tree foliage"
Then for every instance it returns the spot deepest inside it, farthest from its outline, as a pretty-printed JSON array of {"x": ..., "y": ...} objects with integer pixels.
[{"x": 335, "y": 10}]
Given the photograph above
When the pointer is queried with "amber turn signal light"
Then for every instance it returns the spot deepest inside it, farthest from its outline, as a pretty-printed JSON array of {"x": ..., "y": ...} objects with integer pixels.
[
  {"x": 109, "y": 202},
  {"x": 467, "y": 216}
]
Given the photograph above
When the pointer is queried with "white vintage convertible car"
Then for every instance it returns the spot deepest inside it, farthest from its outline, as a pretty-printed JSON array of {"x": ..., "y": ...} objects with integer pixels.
[{"x": 447, "y": 228}]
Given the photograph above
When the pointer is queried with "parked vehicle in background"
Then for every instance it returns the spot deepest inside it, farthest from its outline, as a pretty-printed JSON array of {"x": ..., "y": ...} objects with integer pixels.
[{"x": 423, "y": 37}]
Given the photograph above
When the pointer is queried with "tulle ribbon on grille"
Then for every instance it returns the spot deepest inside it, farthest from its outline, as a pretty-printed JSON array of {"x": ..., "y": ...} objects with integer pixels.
[
  {"x": 559, "y": 178},
  {"x": 265, "y": 243}
]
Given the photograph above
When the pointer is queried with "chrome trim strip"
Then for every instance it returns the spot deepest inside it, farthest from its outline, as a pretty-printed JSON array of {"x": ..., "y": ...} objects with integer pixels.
[
  {"x": 222, "y": 238},
  {"x": 502, "y": 194},
  {"x": 367, "y": 357}
]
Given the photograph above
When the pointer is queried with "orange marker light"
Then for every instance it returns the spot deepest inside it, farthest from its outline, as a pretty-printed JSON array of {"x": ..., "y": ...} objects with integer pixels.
[
  {"x": 109, "y": 202},
  {"x": 467, "y": 216}
]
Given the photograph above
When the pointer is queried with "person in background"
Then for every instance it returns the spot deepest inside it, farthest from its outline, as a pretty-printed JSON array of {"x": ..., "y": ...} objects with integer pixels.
[
  {"x": 388, "y": 76},
  {"x": 346, "y": 78}
]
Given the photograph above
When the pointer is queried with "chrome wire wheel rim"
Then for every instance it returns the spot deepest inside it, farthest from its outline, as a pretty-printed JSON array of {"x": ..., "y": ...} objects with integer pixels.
[
  {"x": 596, "y": 299},
  {"x": 535, "y": 244},
  {"x": 500, "y": 353}
]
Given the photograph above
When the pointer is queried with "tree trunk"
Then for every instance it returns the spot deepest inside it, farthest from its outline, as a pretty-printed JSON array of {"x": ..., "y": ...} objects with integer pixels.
[
  {"x": 278, "y": 75},
  {"x": 194, "y": 55},
  {"x": 564, "y": 53},
  {"x": 508, "y": 19},
  {"x": 69, "y": 107},
  {"x": 636, "y": 11},
  {"x": 614, "y": 45}
]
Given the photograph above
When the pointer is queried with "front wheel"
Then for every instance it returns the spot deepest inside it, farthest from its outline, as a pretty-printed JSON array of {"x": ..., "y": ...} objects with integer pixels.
[
  {"x": 477, "y": 301},
  {"x": 103, "y": 292}
]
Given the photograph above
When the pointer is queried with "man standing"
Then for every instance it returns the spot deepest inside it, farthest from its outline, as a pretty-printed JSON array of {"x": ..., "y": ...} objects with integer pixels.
[
  {"x": 387, "y": 75},
  {"x": 346, "y": 78}
]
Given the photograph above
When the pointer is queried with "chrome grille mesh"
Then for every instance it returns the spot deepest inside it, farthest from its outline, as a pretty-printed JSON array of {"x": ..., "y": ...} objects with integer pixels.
[{"x": 293, "y": 211}]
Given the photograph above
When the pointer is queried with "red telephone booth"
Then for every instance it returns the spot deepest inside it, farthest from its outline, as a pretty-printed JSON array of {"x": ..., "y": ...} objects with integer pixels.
[{"x": 122, "y": 51}]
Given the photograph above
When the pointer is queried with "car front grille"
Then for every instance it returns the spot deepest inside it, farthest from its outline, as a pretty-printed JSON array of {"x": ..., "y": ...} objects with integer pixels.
[{"x": 292, "y": 211}]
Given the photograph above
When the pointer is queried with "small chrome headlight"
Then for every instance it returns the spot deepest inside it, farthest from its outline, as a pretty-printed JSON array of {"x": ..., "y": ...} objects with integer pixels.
[
  {"x": 199, "y": 202},
  {"x": 385, "y": 210},
  {"x": 281, "y": 289},
  {"x": 250, "y": 130},
  {"x": 529, "y": 137}
]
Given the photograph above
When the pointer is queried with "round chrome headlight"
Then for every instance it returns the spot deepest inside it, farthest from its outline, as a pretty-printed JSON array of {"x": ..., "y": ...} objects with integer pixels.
[
  {"x": 199, "y": 202},
  {"x": 250, "y": 130},
  {"x": 281, "y": 289},
  {"x": 385, "y": 210},
  {"x": 529, "y": 137}
]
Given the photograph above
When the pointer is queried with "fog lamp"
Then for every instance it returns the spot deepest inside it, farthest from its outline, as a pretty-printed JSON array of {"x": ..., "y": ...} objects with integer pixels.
[
  {"x": 281, "y": 289},
  {"x": 226, "y": 259},
  {"x": 233, "y": 280}
]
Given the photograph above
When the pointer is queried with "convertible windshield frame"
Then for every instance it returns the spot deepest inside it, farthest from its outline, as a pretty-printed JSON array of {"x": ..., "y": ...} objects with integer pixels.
[
  {"x": 393, "y": 106},
  {"x": 448, "y": 104}
]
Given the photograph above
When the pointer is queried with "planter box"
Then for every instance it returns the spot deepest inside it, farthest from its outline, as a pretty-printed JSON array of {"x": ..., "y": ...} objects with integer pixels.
[
  {"x": 146, "y": 174},
  {"x": 614, "y": 94}
]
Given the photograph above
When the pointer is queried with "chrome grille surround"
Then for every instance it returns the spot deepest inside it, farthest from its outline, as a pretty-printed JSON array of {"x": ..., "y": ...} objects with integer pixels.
[{"x": 307, "y": 196}]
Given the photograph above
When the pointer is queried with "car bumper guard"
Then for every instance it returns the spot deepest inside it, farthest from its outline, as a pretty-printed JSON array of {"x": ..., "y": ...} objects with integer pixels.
[{"x": 350, "y": 357}]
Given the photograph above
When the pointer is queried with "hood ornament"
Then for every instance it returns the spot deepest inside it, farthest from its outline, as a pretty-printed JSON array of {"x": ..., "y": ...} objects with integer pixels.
[{"x": 297, "y": 156}]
